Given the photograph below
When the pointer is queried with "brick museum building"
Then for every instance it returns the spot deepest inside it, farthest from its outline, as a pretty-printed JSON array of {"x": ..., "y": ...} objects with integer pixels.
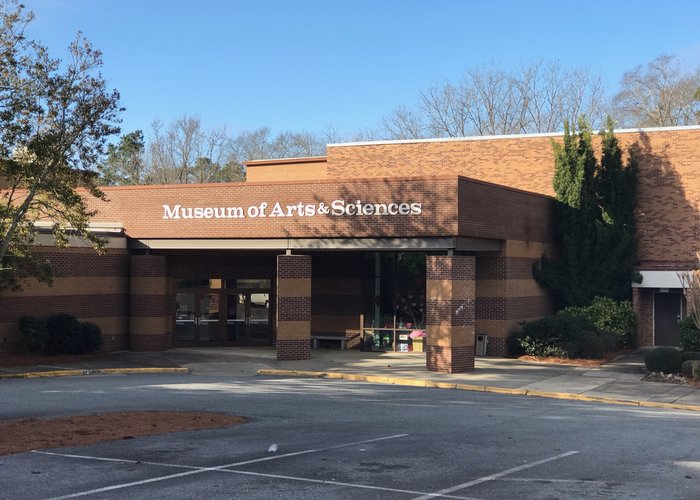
[{"x": 366, "y": 246}]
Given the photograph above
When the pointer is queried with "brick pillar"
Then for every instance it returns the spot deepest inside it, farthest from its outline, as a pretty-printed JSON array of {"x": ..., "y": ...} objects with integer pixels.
[
  {"x": 149, "y": 304},
  {"x": 450, "y": 319},
  {"x": 293, "y": 307}
]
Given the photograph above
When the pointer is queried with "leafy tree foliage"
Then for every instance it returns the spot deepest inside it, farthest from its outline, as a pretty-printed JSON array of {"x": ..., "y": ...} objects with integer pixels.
[
  {"x": 125, "y": 162},
  {"x": 595, "y": 221},
  {"x": 54, "y": 121}
]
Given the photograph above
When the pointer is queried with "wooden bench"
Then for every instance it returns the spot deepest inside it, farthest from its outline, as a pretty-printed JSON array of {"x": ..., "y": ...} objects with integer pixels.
[{"x": 343, "y": 340}]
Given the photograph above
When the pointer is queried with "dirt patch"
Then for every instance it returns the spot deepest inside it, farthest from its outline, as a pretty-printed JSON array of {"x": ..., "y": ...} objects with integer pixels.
[
  {"x": 564, "y": 361},
  {"x": 36, "y": 434}
]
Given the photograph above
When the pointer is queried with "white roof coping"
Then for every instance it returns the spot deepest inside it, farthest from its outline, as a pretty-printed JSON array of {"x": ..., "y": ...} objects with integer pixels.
[{"x": 510, "y": 136}]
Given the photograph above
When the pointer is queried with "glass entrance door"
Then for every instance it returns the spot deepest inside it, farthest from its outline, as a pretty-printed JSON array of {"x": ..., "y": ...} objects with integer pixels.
[
  {"x": 248, "y": 317},
  {"x": 227, "y": 312},
  {"x": 197, "y": 317}
]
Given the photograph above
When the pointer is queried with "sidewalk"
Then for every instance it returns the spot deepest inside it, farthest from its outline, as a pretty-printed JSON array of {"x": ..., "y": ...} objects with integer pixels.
[{"x": 618, "y": 381}]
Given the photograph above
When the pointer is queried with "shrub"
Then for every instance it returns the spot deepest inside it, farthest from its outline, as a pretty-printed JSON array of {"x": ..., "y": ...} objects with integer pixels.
[
  {"x": 592, "y": 346},
  {"x": 696, "y": 370},
  {"x": 90, "y": 338},
  {"x": 687, "y": 368},
  {"x": 690, "y": 335},
  {"x": 690, "y": 355},
  {"x": 561, "y": 335},
  {"x": 33, "y": 334},
  {"x": 63, "y": 334},
  {"x": 617, "y": 318},
  {"x": 513, "y": 344},
  {"x": 612, "y": 341},
  {"x": 663, "y": 359}
]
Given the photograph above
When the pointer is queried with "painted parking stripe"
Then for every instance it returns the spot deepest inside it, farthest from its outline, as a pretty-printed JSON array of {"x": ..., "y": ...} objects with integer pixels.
[
  {"x": 497, "y": 475},
  {"x": 250, "y": 473},
  {"x": 209, "y": 469},
  {"x": 340, "y": 483}
]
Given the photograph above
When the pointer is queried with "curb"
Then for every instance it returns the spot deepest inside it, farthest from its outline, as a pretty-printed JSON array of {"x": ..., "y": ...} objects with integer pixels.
[
  {"x": 476, "y": 388},
  {"x": 97, "y": 371}
]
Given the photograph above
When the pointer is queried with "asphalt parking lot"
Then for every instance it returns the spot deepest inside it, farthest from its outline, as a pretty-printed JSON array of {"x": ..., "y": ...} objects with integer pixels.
[{"x": 339, "y": 439}]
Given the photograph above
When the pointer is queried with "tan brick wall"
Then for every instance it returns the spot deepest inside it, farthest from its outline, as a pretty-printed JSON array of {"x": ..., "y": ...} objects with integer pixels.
[
  {"x": 89, "y": 286},
  {"x": 151, "y": 304},
  {"x": 450, "y": 318},
  {"x": 140, "y": 209},
  {"x": 669, "y": 184},
  {"x": 293, "y": 307},
  {"x": 287, "y": 170}
]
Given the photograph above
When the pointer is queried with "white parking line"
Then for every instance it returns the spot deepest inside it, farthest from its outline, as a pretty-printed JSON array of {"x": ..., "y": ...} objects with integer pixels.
[
  {"x": 340, "y": 483},
  {"x": 494, "y": 476},
  {"x": 204, "y": 469}
]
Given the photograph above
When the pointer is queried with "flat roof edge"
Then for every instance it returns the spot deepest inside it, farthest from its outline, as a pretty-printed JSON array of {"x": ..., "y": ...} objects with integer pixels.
[{"x": 508, "y": 136}]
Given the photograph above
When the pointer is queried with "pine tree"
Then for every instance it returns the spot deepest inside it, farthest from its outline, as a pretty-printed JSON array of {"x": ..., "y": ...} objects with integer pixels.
[{"x": 595, "y": 220}]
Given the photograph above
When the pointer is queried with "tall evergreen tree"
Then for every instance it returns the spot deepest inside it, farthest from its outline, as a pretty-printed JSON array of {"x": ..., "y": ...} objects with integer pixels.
[{"x": 595, "y": 220}]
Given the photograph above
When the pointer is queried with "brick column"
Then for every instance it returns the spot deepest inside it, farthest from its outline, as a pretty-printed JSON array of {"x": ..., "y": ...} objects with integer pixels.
[
  {"x": 450, "y": 319},
  {"x": 293, "y": 307},
  {"x": 149, "y": 304}
]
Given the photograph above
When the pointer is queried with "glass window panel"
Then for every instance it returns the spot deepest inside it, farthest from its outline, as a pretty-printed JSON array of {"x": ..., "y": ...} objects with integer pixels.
[
  {"x": 184, "y": 317},
  {"x": 253, "y": 283},
  {"x": 192, "y": 283}
]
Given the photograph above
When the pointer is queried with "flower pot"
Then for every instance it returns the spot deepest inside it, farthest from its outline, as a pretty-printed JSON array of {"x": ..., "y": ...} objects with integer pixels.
[{"x": 417, "y": 345}]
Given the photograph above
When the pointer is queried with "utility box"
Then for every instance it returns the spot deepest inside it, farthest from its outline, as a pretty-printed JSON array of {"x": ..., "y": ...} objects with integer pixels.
[{"x": 482, "y": 342}]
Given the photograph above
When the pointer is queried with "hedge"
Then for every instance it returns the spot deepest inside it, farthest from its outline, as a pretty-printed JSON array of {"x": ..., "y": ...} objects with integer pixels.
[
  {"x": 690, "y": 335},
  {"x": 59, "y": 334}
]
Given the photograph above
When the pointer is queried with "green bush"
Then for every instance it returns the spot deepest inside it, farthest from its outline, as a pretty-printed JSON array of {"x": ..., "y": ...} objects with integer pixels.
[
  {"x": 687, "y": 368},
  {"x": 63, "y": 334},
  {"x": 592, "y": 346},
  {"x": 690, "y": 335},
  {"x": 612, "y": 342},
  {"x": 33, "y": 335},
  {"x": 513, "y": 344},
  {"x": 90, "y": 338},
  {"x": 696, "y": 370},
  {"x": 617, "y": 318},
  {"x": 690, "y": 355},
  {"x": 663, "y": 359},
  {"x": 561, "y": 335}
]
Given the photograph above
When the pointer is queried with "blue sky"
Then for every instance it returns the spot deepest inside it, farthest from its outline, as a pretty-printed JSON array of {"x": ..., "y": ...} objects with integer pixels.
[{"x": 309, "y": 65}]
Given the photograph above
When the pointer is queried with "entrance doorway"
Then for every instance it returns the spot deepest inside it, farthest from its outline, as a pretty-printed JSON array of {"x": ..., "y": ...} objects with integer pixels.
[
  {"x": 667, "y": 315},
  {"x": 248, "y": 317},
  {"x": 228, "y": 312}
]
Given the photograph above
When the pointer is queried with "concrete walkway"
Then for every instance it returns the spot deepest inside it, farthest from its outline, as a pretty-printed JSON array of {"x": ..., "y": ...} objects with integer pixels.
[{"x": 618, "y": 381}]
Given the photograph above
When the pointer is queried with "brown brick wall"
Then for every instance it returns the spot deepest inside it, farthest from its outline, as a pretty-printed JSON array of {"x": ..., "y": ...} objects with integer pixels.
[
  {"x": 506, "y": 292},
  {"x": 450, "y": 299},
  {"x": 199, "y": 265},
  {"x": 150, "y": 324},
  {"x": 88, "y": 286},
  {"x": 490, "y": 211},
  {"x": 669, "y": 185},
  {"x": 457, "y": 359},
  {"x": 337, "y": 294},
  {"x": 286, "y": 170},
  {"x": 141, "y": 209},
  {"x": 293, "y": 307}
]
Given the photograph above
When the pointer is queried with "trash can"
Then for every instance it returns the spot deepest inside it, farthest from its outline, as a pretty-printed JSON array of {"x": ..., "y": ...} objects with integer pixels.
[{"x": 482, "y": 342}]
